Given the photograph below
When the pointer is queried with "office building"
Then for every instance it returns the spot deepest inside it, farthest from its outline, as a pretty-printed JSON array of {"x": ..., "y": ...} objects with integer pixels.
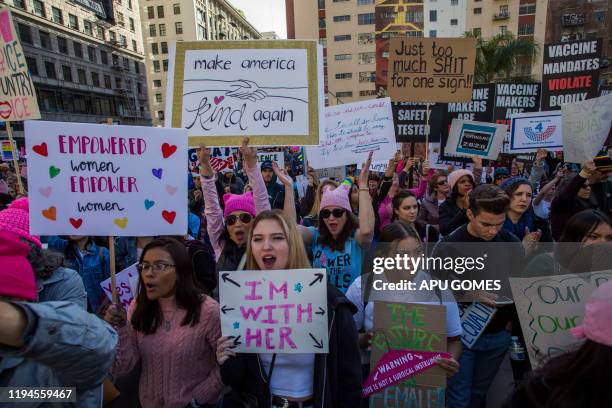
[{"x": 444, "y": 18}]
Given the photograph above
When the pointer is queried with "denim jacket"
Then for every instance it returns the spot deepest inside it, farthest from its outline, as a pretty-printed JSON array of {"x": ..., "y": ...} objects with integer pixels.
[
  {"x": 93, "y": 265},
  {"x": 64, "y": 284},
  {"x": 64, "y": 346}
]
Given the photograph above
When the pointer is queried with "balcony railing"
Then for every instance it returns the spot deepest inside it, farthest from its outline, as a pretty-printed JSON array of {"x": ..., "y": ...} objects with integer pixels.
[{"x": 501, "y": 16}]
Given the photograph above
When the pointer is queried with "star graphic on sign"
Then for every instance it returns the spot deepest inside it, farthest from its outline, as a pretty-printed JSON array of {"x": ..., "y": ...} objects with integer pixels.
[
  {"x": 298, "y": 287},
  {"x": 236, "y": 325}
]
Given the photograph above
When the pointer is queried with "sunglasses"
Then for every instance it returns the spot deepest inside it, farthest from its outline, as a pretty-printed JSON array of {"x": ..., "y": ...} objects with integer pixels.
[
  {"x": 244, "y": 218},
  {"x": 442, "y": 182},
  {"x": 336, "y": 212}
]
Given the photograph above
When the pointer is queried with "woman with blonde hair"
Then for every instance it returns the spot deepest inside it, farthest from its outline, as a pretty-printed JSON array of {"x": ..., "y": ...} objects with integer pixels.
[{"x": 293, "y": 380}]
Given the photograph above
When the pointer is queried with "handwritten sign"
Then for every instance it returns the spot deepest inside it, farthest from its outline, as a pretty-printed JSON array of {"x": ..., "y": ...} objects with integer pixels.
[
  {"x": 271, "y": 91},
  {"x": 431, "y": 69},
  {"x": 105, "y": 180},
  {"x": 474, "y": 320},
  {"x": 469, "y": 138},
  {"x": 17, "y": 94},
  {"x": 415, "y": 327},
  {"x": 586, "y": 125},
  {"x": 275, "y": 311},
  {"x": 126, "y": 283},
  {"x": 531, "y": 131},
  {"x": 353, "y": 130},
  {"x": 548, "y": 307}
]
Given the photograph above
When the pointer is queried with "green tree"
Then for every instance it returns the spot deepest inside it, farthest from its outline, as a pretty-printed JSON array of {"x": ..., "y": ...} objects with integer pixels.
[{"x": 498, "y": 57}]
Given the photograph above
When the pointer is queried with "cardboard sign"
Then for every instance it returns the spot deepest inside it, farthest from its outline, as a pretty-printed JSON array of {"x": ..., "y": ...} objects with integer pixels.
[
  {"x": 469, "y": 138},
  {"x": 17, "y": 94},
  {"x": 570, "y": 73},
  {"x": 531, "y": 131},
  {"x": 548, "y": 307},
  {"x": 415, "y": 327},
  {"x": 586, "y": 125},
  {"x": 431, "y": 69},
  {"x": 352, "y": 131},
  {"x": 275, "y": 311},
  {"x": 222, "y": 91},
  {"x": 87, "y": 179},
  {"x": 411, "y": 121},
  {"x": 126, "y": 283},
  {"x": 474, "y": 320}
]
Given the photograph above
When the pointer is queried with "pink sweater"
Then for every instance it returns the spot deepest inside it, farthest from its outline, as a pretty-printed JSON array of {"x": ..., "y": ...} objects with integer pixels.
[{"x": 178, "y": 365}]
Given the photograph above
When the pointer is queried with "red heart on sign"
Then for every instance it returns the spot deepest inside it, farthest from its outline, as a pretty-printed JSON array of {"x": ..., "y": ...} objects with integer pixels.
[
  {"x": 41, "y": 149},
  {"x": 76, "y": 223},
  {"x": 169, "y": 216},
  {"x": 168, "y": 150}
]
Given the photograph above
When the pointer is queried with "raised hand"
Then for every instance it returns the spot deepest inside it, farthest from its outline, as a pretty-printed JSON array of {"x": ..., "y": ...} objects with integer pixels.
[
  {"x": 530, "y": 241},
  {"x": 249, "y": 154},
  {"x": 115, "y": 315},
  {"x": 541, "y": 155},
  {"x": 477, "y": 160},
  {"x": 204, "y": 157},
  {"x": 282, "y": 175},
  {"x": 365, "y": 172},
  {"x": 245, "y": 89},
  {"x": 425, "y": 168}
]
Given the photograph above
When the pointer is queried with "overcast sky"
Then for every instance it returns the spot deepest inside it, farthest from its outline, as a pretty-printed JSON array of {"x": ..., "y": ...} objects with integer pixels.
[{"x": 265, "y": 15}]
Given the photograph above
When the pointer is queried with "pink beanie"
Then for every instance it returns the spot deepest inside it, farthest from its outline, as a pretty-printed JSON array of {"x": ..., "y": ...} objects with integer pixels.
[
  {"x": 239, "y": 202},
  {"x": 16, "y": 274},
  {"x": 16, "y": 219},
  {"x": 338, "y": 197},
  {"x": 597, "y": 323},
  {"x": 454, "y": 177}
]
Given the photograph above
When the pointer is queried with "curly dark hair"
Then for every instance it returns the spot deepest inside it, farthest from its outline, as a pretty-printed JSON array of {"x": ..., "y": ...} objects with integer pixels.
[{"x": 44, "y": 263}]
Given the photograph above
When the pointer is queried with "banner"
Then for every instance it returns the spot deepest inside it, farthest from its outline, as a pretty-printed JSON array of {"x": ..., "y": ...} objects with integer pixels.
[
  {"x": 352, "y": 130},
  {"x": 411, "y": 121},
  {"x": 532, "y": 131},
  {"x": 126, "y": 283},
  {"x": 469, "y": 138},
  {"x": 414, "y": 327},
  {"x": 431, "y": 69},
  {"x": 102, "y": 180},
  {"x": 570, "y": 73},
  {"x": 275, "y": 311},
  {"x": 549, "y": 306},
  {"x": 17, "y": 94},
  {"x": 221, "y": 91},
  {"x": 586, "y": 126}
]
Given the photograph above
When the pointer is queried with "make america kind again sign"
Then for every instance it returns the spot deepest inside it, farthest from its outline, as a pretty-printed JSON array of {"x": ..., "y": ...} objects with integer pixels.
[{"x": 87, "y": 179}]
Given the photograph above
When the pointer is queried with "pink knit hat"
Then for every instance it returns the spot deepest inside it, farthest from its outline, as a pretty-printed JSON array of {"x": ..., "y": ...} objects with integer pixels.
[
  {"x": 16, "y": 219},
  {"x": 454, "y": 177},
  {"x": 338, "y": 197},
  {"x": 239, "y": 202},
  {"x": 597, "y": 323},
  {"x": 16, "y": 274}
]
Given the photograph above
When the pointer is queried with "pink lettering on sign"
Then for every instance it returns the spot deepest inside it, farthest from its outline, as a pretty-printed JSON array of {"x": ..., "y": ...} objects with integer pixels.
[
  {"x": 6, "y": 28},
  {"x": 250, "y": 313},
  {"x": 274, "y": 289},
  {"x": 253, "y": 295},
  {"x": 307, "y": 311}
]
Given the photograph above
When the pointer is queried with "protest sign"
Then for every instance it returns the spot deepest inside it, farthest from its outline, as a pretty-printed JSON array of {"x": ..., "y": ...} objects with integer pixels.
[
  {"x": 570, "y": 73},
  {"x": 271, "y": 91},
  {"x": 7, "y": 150},
  {"x": 352, "y": 130},
  {"x": 126, "y": 283},
  {"x": 194, "y": 163},
  {"x": 17, "y": 94},
  {"x": 273, "y": 154},
  {"x": 275, "y": 311},
  {"x": 549, "y": 306},
  {"x": 532, "y": 131},
  {"x": 431, "y": 69},
  {"x": 469, "y": 138},
  {"x": 102, "y": 180},
  {"x": 336, "y": 173},
  {"x": 411, "y": 121},
  {"x": 414, "y": 327},
  {"x": 586, "y": 125},
  {"x": 474, "y": 320},
  {"x": 222, "y": 158},
  {"x": 605, "y": 90}
]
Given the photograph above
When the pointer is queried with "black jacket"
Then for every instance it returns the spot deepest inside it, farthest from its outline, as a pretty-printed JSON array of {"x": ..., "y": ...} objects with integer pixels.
[
  {"x": 337, "y": 375},
  {"x": 451, "y": 216}
]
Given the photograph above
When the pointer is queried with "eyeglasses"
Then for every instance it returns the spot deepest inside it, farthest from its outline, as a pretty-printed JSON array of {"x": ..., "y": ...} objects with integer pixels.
[
  {"x": 157, "y": 267},
  {"x": 336, "y": 212},
  {"x": 244, "y": 218},
  {"x": 442, "y": 182}
]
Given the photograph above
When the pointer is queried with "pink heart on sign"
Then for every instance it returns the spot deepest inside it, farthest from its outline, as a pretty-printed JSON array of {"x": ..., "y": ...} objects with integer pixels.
[
  {"x": 46, "y": 192},
  {"x": 171, "y": 189},
  {"x": 219, "y": 99}
]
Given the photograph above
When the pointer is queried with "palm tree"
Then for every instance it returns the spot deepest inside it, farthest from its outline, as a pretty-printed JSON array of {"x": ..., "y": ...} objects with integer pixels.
[{"x": 498, "y": 57}]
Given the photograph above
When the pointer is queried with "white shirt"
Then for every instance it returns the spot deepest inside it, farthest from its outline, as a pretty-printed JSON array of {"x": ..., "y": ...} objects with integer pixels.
[{"x": 292, "y": 376}]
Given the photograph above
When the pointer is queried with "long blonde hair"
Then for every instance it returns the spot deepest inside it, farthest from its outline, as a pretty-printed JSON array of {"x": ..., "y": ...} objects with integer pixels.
[
  {"x": 297, "y": 253},
  {"x": 316, "y": 207}
]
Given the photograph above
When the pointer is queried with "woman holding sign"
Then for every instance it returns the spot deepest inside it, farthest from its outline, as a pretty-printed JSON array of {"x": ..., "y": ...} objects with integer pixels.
[
  {"x": 228, "y": 229},
  {"x": 293, "y": 380}
]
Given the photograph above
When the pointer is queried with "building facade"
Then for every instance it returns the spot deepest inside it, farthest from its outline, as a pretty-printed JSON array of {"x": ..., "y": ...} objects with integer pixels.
[
  {"x": 444, "y": 18},
  {"x": 164, "y": 22},
  {"x": 86, "y": 59}
]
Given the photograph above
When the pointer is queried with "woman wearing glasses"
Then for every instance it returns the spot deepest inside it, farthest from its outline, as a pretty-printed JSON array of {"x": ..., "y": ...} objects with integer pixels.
[
  {"x": 172, "y": 328},
  {"x": 228, "y": 228}
]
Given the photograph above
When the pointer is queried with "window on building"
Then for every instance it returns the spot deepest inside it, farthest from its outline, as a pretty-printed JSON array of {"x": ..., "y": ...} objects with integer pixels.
[
  {"x": 120, "y": 19},
  {"x": 118, "y": 83},
  {"x": 88, "y": 27},
  {"x": 344, "y": 94},
  {"x": 132, "y": 25},
  {"x": 139, "y": 87},
  {"x": 342, "y": 37},
  {"x": 91, "y": 53},
  {"x": 160, "y": 11},
  {"x": 367, "y": 57},
  {"x": 369, "y": 92},
  {"x": 137, "y": 67},
  {"x": 338, "y": 19},
  {"x": 39, "y": 8},
  {"x": 73, "y": 22},
  {"x": 157, "y": 83},
  {"x": 414, "y": 16},
  {"x": 78, "y": 49},
  {"x": 160, "y": 115},
  {"x": 123, "y": 40},
  {"x": 343, "y": 57},
  {"x": 477, "y": 10},
  {"x": 164, "y": 47},
  {"x": 162, "y": 30},
  {"x": 25, "y": 33},
  {"x": 178, "y": 27},
  {"x": 337, "y": 1},
  {"x": 454, "y": 2},
  {"x": 152, "y": 30},
  {"x": 82, "y": 76},
  {"x": 104, "y": 57},
  {"x": 156, "y": 66},
  {"x": 19, "y": 4},
  {"x": 526, "y": 29},
  {"x": 154, "y": 48},
  {"x": 112, "y": 36},
  {"x": 344, "y": 75},
  {"x": 32, "y": 65},
  {"x": 134, "y": 45},
  {"x": 364, "y": 2},
  {"x": 503, "y": 10},
  {"x": 158, "y": 97},
  {"x": 527, "y": 9},
  {"x": 177, "y": 8},
  {"x": 477, "y": 31},
  {"x": 95, "y": 79},
  {"x": 126, "y": 63},
  {"x": 367, "y": 76},
  {"x": 321, "y": 4},
  {"x": 107, "y": 82},
  {"x": 57, "y": 15},
  {"x": 151, "y": 12},
  {"x": 454, "y": 22},
  {"x": 202, "y": 33},
  {"x": 366, "y": 18},
  {"x": 45, "y": 40},
  {"x": 50, "y": 70},
  {"x": 62, "y": 45},
  {"x": 115, "y": 60},
  {"x": 600, "y": 16},
  {"x": 503, "y": 29},
  {"x": 365, "y": 38},
  {"x": 100, "y": 32},
  {"x": 433, "y": 15},
  {"x": 67, "y": 73},
  {"x": 433, "y": 33},
  {"x": 165, "y": 65}
]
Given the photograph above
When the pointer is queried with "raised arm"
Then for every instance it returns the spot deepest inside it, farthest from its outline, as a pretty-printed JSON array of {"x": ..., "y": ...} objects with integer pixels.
[
  {"x": 477, "y": 172},
  {"x": 289, "y": 206},
  {"x": 127, "y": 349},
  {"x": 249, "y": 163},
  {"x": 367, "y": 219},
  {"x": 538, "y": 168},
  {"x": 212, "y": 208}
]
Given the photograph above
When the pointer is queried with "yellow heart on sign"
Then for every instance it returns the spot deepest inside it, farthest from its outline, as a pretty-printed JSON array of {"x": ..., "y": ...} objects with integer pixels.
[{"x": 121, "y": 222}]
